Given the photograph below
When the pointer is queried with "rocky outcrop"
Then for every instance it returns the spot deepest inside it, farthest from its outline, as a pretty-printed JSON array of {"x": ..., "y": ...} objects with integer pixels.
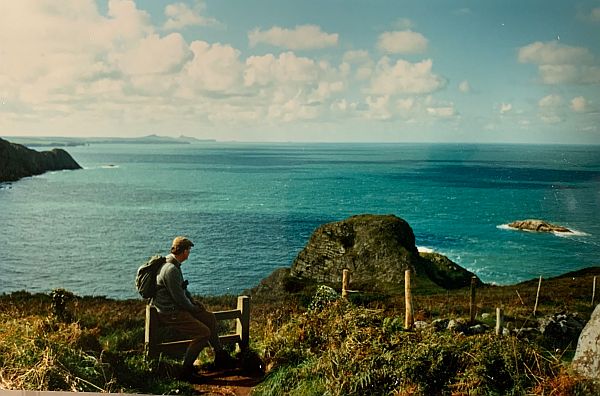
[
  {"x": 537, "y": 225},
  {"x": 587, "y": 356},
  {"x": 377, "y": 249},
  {"x": 17, "y": 161}
]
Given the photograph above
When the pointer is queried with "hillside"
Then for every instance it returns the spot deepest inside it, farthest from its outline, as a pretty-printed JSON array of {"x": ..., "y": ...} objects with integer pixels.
[{"x": 17, "y": 161}]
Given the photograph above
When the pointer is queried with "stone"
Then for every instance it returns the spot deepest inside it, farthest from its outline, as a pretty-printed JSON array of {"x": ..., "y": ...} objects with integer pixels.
[
  {"x": 421, "y": 325},
  {"x": 485, "y": 315},
  {"x": 538, "y": 226},
  {"x": 587, "y": 355},
  {"x": 561, "y": 329},
  {"x": 440, "y": 324}
]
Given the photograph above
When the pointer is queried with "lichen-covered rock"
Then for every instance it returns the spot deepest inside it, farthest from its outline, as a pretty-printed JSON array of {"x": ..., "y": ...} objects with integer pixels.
[
  {"x": 587, "y": 356},
  {"x": 377, "y": 249},
  {"x": 537, "y": 225},
  {"x": 18, "y": 161}
]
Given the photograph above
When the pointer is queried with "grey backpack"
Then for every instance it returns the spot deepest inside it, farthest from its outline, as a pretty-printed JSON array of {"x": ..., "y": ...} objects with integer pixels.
[{"x": 145, "y": 280}]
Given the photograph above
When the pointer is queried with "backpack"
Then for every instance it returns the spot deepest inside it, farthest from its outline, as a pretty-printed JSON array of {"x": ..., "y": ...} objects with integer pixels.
[{"x": 145, "y": 280}]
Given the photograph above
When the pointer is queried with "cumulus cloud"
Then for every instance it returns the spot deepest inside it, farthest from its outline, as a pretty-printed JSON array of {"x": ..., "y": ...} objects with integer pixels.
[
  {"x": 579, "y": 104},
  {"x": 303, "y": 37},
  {"x": 464, "y": 87},
  {"x": 402, "y": 42},
  {"x": 550, "y": 108},
  {"x": 404, "y": 77},
  {"x": 561, "y": 64},
  {"x": 505, "y": 108},
  {"x": 181, "y": 15}
]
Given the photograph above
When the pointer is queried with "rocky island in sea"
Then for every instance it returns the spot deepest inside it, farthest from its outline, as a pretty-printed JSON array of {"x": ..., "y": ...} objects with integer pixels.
[
  {"x": 18, "y": 161},
  {"x": 537, "y": 226}
]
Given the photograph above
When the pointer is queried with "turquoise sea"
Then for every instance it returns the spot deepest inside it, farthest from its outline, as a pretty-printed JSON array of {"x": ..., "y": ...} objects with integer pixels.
[{"x": 251, "y": 207}]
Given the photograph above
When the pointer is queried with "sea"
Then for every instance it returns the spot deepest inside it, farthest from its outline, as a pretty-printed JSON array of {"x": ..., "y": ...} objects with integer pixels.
[{"x": 251, "y": 208}]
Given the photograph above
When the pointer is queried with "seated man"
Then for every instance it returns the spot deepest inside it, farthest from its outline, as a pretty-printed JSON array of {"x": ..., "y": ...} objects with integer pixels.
[{"x": 177, "y": 309}]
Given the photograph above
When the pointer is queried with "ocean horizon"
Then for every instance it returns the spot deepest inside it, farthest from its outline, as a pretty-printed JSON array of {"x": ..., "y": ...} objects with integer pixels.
[{"x": 251, "y": 207}]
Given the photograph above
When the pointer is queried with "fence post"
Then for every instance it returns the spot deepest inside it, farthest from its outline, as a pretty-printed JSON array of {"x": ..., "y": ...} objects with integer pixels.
[
  {"x": 409, "y": 320},
  {"x": 593, "y": 291},
  {"x": 243, "y": 323},
  {"x": 472, "y": 301},
  {"x": 345, "y": 283},
  {"x": 499, "y": 321},
  {"x": 537, "y": 296}
]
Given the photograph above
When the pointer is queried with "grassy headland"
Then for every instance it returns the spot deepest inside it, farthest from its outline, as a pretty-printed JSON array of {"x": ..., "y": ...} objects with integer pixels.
[{"x": 308, "y": 346}]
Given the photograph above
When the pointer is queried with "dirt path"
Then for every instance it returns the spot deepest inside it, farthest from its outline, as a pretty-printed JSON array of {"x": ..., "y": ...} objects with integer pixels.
[{"x": 227, "y": 383}]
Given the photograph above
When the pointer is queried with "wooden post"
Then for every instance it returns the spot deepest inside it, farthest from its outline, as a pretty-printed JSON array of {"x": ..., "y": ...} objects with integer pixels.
[
  {"x": 593, "y": 291},
  {"x": 345, "y": 283},
  {"x": 499, "y": 321},
  {"x": 243, "y": 323},
  {"x": 409, "y": 320},
  {"x": 151, "y": 331},
  {"x": 472, "y": 302},
  {"x": 537, "y": 296}
]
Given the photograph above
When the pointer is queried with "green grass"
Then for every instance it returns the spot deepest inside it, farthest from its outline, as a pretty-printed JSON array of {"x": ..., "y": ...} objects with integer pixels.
[{"x": 62, "y": 342}]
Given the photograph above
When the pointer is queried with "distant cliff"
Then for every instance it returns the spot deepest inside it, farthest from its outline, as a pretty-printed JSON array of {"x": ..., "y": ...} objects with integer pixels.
[
  {"x": 17, "y": 161},
  {"x": 377, "y": 249}
]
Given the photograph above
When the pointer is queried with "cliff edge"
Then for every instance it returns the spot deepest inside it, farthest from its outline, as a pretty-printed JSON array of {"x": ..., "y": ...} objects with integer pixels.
[{"x": 17, "y": 161}]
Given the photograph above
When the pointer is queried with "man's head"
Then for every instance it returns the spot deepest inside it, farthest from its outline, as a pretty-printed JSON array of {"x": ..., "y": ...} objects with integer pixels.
[{"x": 181, "y": 247}]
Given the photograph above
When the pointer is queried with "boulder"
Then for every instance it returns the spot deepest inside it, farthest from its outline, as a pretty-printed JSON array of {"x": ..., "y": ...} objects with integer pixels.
[
  {"x": 587, "y": 356},
  {"x": 537, "y": 225},
  {"x": 377, "y": 249},
  {"x": 18, "y": 161}
]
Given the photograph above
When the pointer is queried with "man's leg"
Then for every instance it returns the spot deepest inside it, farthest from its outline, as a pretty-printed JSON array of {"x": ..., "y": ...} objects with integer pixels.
[
  {"x": 222, "y": 358},
  {"x": 188, "y": 327}
]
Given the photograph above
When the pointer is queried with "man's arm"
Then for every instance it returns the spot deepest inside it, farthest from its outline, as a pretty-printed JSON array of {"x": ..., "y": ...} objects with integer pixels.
[{"x": 174, "y": 283}]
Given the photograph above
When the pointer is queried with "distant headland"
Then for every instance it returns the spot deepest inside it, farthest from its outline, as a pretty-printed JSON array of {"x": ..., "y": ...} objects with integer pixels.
[
  {"x": 18, "y": 161},
  {"x": 45, "y": 141}
]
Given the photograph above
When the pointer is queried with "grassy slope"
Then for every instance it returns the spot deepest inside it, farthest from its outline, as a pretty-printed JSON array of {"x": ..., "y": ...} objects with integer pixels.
[{"x": 100, "y": 346}]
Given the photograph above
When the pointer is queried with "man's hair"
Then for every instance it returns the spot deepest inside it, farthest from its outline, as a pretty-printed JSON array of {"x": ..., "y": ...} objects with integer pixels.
[{"x": 180, "y": 244}]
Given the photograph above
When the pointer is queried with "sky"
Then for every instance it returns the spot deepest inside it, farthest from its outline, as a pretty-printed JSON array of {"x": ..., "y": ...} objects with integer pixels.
[{"x": 524, "y": 71}]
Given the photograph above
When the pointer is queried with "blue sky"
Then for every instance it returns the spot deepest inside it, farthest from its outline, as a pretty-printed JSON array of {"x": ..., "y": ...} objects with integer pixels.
[{"x": 379, "y": 71}]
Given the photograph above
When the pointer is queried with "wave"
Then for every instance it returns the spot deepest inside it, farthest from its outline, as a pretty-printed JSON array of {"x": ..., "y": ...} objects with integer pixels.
[
  {"x": 423, "y": 249},
  {"x": 573, "y": 232}
]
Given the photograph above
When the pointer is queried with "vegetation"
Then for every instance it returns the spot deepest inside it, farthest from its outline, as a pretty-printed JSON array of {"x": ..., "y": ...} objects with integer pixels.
[{"x": 322, "y": 345}]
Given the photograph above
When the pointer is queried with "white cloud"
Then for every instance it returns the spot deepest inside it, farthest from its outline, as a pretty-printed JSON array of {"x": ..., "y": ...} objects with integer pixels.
[
  {"x": 154, "y": 55},
  {"x": 301, "y": 38},
  {"x": 553, "y": 53},
  {"x": 378, "y": 108},
  {"x": 402, "y": 42},
  {"x": 464, "y": 87},
  {"x": 404, "y": 77},
  {"x": 442, "y": 112},
  {"x": 214, "y": 67},
  {"x": 180, "y": 15},
  {"x": 561, "y": 64},
  {"x": 595, "y": 14},
  {"x": 505, "y": 108},
  {"x": 579, "y": 104},
  {"x": 550, "y": 109}
]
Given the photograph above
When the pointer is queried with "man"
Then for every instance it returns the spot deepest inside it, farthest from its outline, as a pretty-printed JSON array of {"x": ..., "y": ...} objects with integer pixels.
[{"x": 178, "y": 310}]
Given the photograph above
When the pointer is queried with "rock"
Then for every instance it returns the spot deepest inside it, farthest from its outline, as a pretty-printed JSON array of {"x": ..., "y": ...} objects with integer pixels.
[
  {"x": 421, "y": 325},
  {"x": 17, "y": 161},
  {"x": 561, "y": 328},
  {"x": 324, "y": 296},
  {"x": 537, "y": 225},
  {"x": 587, "y": 356},
  {"x": 377, "y": 249},
  {"x": 477, "y": 329},
  {"x": 457, "y": 325},
  {"x": 485, "y": 315},
  {"x": 440, "y": 324}
]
